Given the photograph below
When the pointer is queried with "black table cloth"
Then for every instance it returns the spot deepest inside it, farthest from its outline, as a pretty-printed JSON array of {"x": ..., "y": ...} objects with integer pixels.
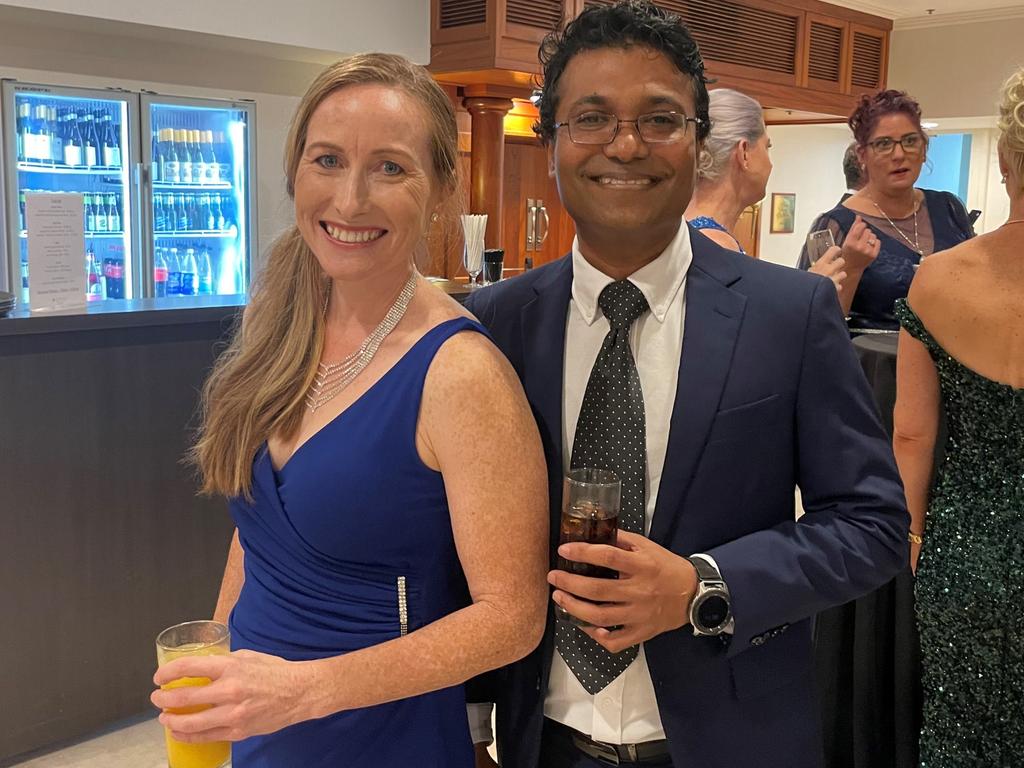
[{"x": 867, "y": 657}]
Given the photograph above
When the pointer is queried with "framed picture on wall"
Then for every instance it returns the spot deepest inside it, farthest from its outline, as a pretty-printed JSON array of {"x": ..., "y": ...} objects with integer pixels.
[{"x": 783, "y": 212}]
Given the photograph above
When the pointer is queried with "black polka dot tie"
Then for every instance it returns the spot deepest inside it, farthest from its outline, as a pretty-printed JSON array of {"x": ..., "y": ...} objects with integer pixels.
[{"x": 611, "y": 434}]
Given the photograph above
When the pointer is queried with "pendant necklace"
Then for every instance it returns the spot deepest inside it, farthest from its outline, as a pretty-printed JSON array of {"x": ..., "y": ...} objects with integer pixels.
[
  {"x": 332, "y": 378},
  {"x": 916, "y": 243}
]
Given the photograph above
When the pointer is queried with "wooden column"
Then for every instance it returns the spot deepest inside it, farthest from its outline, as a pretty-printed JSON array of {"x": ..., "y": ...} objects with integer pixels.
[{"x": 488, "y": 160}]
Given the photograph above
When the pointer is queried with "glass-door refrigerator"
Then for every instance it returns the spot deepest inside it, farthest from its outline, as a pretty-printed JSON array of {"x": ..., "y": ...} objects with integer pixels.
[
  {"x": 198, "y": 177},
  {"x": 80, "y": 141}
]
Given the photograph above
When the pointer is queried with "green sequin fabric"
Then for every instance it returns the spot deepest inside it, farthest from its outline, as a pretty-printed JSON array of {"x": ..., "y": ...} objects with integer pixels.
[{"x": 969, "y": 589}]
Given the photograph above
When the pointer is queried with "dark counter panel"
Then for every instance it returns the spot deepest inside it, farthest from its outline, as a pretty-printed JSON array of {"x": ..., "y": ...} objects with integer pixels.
[{"x": 104, "y": 541}]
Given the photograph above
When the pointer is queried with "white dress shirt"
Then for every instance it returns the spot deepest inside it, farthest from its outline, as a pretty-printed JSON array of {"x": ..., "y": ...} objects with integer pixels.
[{"x": 626, "y": 711}]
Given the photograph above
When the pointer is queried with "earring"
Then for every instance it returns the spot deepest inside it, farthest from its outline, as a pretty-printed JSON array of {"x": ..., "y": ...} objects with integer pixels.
[
  {"x": 433, "y": 217},
  {"x": 1006, "y": 177}
]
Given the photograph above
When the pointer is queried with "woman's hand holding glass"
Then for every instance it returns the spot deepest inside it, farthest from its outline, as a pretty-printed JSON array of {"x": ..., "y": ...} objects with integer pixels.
[
  {"x": 831, "y": 265},
  {"x": 249, "y": 694}
]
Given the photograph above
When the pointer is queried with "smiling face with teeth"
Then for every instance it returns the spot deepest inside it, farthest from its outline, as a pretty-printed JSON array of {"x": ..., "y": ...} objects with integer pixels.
[
  {"x": 364, "y": 186},
  {"x": 627, "y": 198}
]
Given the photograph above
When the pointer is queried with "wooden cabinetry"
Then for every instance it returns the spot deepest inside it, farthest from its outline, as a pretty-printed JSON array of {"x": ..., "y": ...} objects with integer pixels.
[
  {"x": 492, "y": 41},
  {"x": 801, "y": 55}
]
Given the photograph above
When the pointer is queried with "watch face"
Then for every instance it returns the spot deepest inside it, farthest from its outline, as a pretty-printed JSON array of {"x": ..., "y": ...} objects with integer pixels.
[{"x": 713, "y": 611}]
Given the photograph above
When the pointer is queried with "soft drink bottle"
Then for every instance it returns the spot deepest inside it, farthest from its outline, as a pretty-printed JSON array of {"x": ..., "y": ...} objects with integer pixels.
[
  {"x": 216, "y": 213},
  {"x": 181, "y": 223},
  {"x": 113, "y": 271},
  {"x": 159, "y": 273},
  {"x": 173, "y": 273},
  {"x": 204, "y": 272},
  {"x": 209, "y": 221},
  {"x": 90, "y": 214},
  {"x": 102, "y": 215},
  {"x": 158, "y": 213},
  {"x": 94, "y": 276},
  {"x": 188, "y": 273},
  {"x": 113, "y": 214}
]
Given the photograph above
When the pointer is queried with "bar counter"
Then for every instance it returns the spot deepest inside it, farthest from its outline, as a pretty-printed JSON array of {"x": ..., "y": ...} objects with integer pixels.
[{"x": 104, "y": 540}]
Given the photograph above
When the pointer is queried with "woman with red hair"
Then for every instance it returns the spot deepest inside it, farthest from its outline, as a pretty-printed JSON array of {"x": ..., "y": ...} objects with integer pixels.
[{"x": 889, "y": 225}]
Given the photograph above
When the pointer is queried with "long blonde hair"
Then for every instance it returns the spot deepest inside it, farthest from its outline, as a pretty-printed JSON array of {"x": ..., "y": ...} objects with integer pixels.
[
  {"x": 258, "y": 384},
  {"x": 1011, "y": 122}
]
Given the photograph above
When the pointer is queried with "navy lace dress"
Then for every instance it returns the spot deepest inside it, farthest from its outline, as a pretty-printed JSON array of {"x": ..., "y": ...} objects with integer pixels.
[{"x": 888, "y": 277}]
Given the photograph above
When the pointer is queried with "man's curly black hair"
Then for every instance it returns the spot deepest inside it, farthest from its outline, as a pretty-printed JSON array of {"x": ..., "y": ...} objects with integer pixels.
[{"x": 625, "y": 24}]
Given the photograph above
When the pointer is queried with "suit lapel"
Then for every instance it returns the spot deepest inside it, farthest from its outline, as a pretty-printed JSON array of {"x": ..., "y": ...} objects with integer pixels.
[
  {"x": 543, "y": 322},
  {"x": 713, "y": 316}
]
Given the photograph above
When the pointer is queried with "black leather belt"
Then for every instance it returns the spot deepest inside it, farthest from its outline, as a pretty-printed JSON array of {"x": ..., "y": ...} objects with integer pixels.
[{"x": 614, "y": 754}]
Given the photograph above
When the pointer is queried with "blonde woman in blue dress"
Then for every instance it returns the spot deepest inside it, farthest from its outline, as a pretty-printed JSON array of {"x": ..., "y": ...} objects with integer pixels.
[{"x": 383, "y": 468}]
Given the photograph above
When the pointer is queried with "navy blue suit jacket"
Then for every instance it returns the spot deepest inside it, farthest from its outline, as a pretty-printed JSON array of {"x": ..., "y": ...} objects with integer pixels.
[{"x": 770, "y": 395}]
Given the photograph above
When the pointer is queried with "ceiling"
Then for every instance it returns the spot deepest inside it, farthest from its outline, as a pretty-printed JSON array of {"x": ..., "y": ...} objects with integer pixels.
[{"x": 919, "y": 9}]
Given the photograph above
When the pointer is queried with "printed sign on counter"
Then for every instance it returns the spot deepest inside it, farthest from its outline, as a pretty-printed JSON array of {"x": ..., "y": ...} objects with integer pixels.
[{"x": 56, "y": 252}]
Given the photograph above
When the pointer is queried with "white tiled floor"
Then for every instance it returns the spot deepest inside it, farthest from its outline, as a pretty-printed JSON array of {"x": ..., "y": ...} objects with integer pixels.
[{"x": 140, "y": 745}]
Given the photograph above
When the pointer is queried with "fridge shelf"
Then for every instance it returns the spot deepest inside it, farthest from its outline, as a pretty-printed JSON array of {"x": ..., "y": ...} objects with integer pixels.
[
  {"x": 73, "y": 170},
  {"x": 170, "y": 185},
  {"x": 195, "y": 234},
  {"x": 88, "y": 235}
]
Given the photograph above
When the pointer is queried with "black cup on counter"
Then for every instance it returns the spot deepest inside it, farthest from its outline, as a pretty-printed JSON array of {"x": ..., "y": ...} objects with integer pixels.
[{"x": 494, "y": 258}]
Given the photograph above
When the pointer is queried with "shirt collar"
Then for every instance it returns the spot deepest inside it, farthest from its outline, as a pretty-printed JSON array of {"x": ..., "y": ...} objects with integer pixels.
[{"x": 659, "y": 281}]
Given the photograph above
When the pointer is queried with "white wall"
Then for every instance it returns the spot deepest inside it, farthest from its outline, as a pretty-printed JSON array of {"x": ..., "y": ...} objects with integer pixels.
[
  {"x": 956, "y": 71},
  {"x": 395, "y": 26},
  {"x": 808, "y": 161}
]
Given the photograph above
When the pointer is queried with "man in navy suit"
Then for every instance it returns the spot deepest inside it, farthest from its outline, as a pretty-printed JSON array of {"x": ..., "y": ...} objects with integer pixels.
[{"x": 714, "y": 384}]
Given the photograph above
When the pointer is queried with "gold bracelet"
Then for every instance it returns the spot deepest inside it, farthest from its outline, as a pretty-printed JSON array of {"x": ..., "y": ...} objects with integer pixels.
[{"x": 915, "y": 538}]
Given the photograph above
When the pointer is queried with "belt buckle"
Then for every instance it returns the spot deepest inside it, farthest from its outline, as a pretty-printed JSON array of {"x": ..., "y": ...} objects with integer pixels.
[
  {"x": 607, "y": 754},
  {"x": 598, "y": 750}
]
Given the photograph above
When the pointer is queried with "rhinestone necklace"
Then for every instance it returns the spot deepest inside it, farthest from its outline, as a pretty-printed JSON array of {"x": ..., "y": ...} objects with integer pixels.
[
  {"x": 331, "y": 378},
  {"x": 916, "y": 244}
]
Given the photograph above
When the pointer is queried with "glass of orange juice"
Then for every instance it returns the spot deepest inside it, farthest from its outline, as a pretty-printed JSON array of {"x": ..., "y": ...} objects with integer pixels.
[{"x": 193, "y": 638}]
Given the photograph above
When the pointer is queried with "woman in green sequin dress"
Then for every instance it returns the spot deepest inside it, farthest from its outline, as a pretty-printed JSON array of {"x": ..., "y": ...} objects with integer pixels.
[{"x": 962, "y": 345}]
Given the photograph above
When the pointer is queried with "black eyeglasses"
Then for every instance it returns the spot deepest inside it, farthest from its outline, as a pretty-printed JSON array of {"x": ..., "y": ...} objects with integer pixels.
[
  {"x": 912, "y": 144},
  {"x": 602, "y": 128}
]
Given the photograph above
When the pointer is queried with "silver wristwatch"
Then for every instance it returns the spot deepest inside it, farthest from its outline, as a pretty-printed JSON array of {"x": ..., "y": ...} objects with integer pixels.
[{"x": 711, "y": 607}]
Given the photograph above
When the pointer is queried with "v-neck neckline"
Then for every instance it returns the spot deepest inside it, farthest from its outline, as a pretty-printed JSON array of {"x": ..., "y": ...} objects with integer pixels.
[{"x": 405, "y": 355}]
